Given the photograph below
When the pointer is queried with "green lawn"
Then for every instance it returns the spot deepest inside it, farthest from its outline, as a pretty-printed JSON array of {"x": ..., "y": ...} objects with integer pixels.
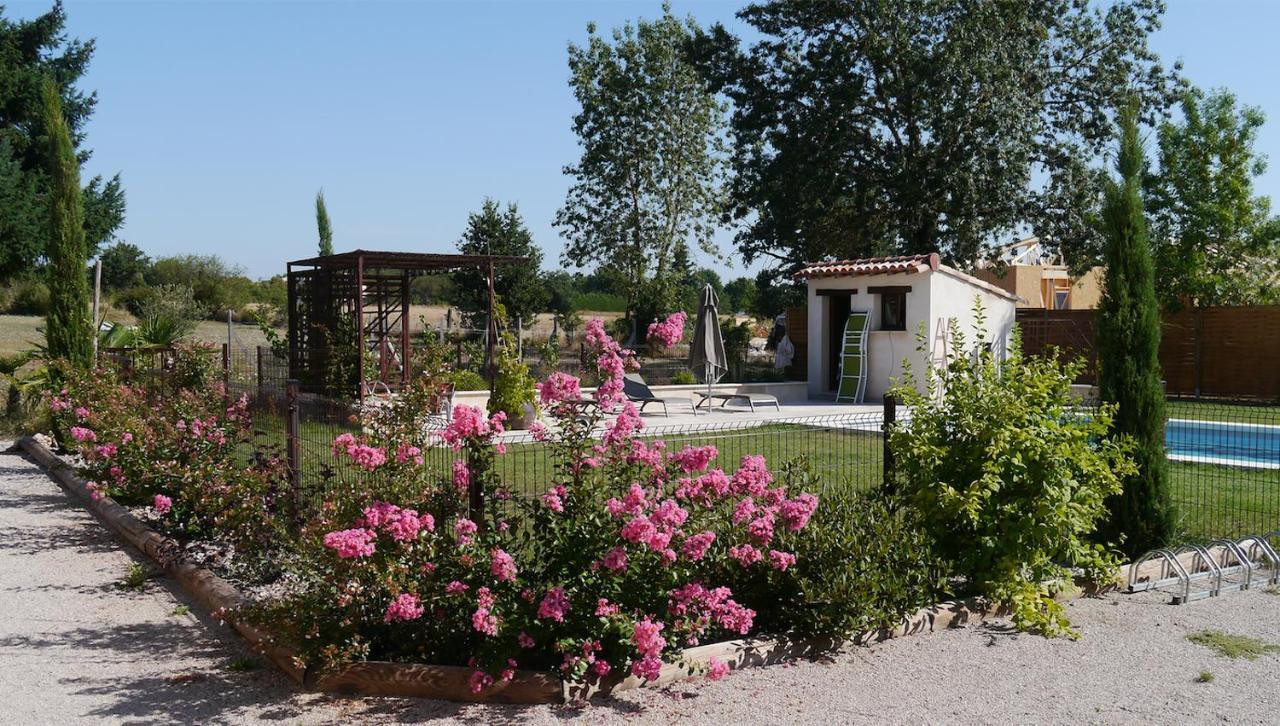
[
  {"x": 1213, "y": 501},
  {"x": 1214, "y": 411},
  {"x": 1221, "y": 501}
]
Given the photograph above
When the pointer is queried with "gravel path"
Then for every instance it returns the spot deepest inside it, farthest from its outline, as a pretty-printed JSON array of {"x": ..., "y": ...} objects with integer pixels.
[{"x": 73, "y": 647}]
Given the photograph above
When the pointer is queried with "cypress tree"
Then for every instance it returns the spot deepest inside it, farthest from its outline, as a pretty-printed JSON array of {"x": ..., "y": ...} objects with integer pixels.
[
  {"x": 1128, "y": 353},
  {"x": 68, "y": 330},
  {"x": 323, "y": 226}
]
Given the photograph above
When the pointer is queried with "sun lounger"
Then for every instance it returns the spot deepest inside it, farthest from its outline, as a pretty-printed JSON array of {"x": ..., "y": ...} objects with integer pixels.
[
  {"x": 637, "y": 391},
  {"x": 752, "y": 399}
]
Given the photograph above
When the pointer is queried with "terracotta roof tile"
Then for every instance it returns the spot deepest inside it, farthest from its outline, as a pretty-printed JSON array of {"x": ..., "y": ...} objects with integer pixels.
[{"x": 869, "y": 266}]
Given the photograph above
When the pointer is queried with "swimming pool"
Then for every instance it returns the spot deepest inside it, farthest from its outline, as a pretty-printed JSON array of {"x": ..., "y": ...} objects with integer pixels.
[{"x": 1253, "y": 446}]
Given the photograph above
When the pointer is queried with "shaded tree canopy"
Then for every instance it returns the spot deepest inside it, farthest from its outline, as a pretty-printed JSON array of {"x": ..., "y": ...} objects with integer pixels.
[
  {"x": 497, "y": 231},
  {"x": 866, "y": 128},
  {"x": 648, "y": 186},
  {"x": 32, "y": 51},
  {"x": 1215, "y": 242},
  {"x": 124, "y": 265}
]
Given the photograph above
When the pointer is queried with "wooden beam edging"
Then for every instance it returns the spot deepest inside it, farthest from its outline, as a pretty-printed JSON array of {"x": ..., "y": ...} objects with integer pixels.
[
  {"x": 384, "y": 678},
  {"x": 221, "y": 598},
  {"x": 213, "y": 593}
]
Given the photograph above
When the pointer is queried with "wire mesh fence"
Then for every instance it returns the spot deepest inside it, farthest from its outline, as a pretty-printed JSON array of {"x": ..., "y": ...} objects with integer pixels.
[
  {"x": 1224, "y": 457},
  {"x": 1224, "y": 467}
]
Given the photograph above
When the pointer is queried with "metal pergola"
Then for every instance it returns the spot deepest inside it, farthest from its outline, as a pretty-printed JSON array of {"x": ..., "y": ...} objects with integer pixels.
[{"x": 357, "y": 304}]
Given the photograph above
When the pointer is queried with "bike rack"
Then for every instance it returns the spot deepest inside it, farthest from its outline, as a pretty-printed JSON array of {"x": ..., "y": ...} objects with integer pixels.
[{"x": 1226, "y": 565}]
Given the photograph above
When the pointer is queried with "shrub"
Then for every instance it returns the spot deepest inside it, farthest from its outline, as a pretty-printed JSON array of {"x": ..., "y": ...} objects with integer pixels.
[
  {"x": 893, "y": 569},
  {"x": 625, "y": 560},
  {"x": 1008, "y": 478},
  {"x": 683, "y": 378},
  {"x": 178, "y": 449},
  {"x": 513, "y": 387},
  {"x": 132, "y": 298},
  {"x": 469, "y": 381},
  {"x": 28, "y": 297}
]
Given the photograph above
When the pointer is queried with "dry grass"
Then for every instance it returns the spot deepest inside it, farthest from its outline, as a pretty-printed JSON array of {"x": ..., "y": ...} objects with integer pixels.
[{"x": 22, "y": 332}]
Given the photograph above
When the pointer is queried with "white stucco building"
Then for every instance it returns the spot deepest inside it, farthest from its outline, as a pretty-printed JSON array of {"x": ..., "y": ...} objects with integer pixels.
[{"x": 901, "y": 293}]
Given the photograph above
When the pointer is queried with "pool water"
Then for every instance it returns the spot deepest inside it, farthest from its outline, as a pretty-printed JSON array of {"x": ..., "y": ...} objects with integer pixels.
[{"x": 1213, "y": 442}]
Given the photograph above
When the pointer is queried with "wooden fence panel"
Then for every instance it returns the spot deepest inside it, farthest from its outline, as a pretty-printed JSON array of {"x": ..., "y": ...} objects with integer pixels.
[{"x": 1223, "y": 352}]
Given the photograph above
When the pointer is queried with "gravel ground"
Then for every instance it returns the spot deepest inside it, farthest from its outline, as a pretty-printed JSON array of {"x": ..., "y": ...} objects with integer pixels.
[{"x": 73, "y": 647}]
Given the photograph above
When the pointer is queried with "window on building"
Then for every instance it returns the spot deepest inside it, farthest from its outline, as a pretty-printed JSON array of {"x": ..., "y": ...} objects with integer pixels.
[{"x": 893, "y": 310}]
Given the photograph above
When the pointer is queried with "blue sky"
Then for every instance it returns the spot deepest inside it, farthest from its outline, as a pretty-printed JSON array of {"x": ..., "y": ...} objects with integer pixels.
[{"x": 225, "y": 117}]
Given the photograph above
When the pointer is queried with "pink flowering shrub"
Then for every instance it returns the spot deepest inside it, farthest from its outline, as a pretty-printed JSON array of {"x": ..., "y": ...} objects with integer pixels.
[
  {"x": 669, "y": 331},
  {"x": 177, "y": 449}
]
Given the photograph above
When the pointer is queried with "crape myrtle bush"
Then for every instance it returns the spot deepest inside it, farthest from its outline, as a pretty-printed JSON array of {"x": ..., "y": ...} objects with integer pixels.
[
  {"x": 631, "y": 554},
  {"x": 177, "y": 449},
  {"x": 1007, "y": 475}
]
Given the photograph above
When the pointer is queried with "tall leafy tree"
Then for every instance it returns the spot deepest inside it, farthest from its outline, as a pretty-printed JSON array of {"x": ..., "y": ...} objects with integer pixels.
[
  {"x": 323, "y": 228},
  {"x": 497, "y": 231},
  {"x": 68, "y": 330},
  {"x": 1215, "y": 241},
  {"x": 865, "y": 127},
  {"x": 1128, "y": 353},
  {"x": 31, "y": 52},
  {"x": 648, "y": 185},
  {"x": 124, "y": 265}
]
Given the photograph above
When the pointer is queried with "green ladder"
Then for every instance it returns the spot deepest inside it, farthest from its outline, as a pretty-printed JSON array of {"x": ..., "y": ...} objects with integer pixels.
[{"x": 853, "y": 358}]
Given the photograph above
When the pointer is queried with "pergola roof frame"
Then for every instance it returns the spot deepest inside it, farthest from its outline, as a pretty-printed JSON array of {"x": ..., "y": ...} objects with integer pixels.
[{"x": 388, "y": 311}]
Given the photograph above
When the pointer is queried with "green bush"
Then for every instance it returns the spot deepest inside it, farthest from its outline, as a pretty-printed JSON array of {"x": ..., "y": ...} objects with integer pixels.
[
  {"x": 513, "y": 387},
  {"x": 862, "y": 564},
  {"x": 469, "y": 381},
  {"x": 28, "y": 297},
  {"x": 683, "y": 378},
  {"x": 1008, "y": 478},
  {"x": 132, "y": 299}
]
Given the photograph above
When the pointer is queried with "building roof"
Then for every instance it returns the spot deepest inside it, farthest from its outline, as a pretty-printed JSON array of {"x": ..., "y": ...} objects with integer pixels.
[
  {"x": 870, "y": 266},
  {"x": 904, "y": 264},
  {"x": 413, "y": 261}
]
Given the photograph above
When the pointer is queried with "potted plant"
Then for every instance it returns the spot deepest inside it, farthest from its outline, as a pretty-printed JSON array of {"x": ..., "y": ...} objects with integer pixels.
[{"x": 513, "y": 390}]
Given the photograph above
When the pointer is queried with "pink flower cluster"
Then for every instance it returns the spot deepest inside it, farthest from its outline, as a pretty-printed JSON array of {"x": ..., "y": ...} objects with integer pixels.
[
  {"x": 469, "y": 423},
  {"x": 461, "y": 475},
  {"x": 366, "y": 457},
  {"x": 694, "y": 458},
  {"x": 161, "y": 504},
  {"x": 557, "y": 388},
  {"x": 407, "y": 452},
  {"x": 82, "y": 434},
  {"x": 554, "y": 605},
  {"x": 646, "y": 636},
  {"x": 668, "y": 332},
  {"x": 402, "y": 524},
  {"x": 463, "y": 529},
  {"x": 403, "y": 607},
  {"x": 620, "y": 430},
  {"x": 351, "y": 543},
  {"x": 696, "y": 607},
  {"x": 554, "y": 498},
  {"x": 611, "y": 360},
  {"x": 501, "y": 565}
]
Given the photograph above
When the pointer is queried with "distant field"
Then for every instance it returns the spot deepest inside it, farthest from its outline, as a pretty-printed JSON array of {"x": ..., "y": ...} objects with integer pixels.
[{"x": 20, "y": 332}]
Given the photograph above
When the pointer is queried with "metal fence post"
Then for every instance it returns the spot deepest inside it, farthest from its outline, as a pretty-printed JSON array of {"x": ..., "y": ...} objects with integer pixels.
[
  {"x": 890, "y": 417},
  {"x": 226, "y": 375},
  {"x": 475, "y": 491},
  {"x": 258, "y": 350},
  {"x": 293, "y": 444}
]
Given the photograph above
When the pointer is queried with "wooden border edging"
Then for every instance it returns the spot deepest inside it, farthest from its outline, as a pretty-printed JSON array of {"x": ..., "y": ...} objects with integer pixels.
[{"x": 384, "y": 678}]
